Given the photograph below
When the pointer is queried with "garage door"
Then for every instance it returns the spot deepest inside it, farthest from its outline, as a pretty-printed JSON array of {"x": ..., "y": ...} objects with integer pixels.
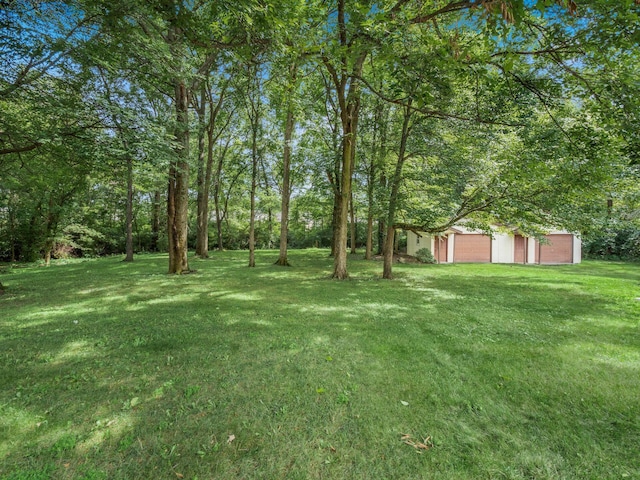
[
  {"x": 520, "y": 251},
  {"x": 558, "y": 250},
  {"x": 472, "y": 248},
  {"x": 440, "y": 245}
]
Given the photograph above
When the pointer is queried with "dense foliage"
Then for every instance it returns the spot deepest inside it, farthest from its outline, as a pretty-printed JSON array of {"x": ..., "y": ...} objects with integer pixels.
[{"x": 315, "y": 115}]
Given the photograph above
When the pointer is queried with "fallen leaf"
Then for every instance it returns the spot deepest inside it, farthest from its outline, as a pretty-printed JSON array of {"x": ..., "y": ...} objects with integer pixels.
[
  {"x": 179, "y": 475},
  {"x": 406, "y": 404},
  {"x": 426, "y": 444},
  {"x": 67, "y": 465},
  {"x": 231, "y": 438}
]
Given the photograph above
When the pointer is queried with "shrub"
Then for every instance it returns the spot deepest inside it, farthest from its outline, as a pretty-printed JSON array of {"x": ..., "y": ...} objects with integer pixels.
[
  {"x": 80, "y": 241},
  {"x": 618, "y": 242},
  {"x": 425, "y": 256}
]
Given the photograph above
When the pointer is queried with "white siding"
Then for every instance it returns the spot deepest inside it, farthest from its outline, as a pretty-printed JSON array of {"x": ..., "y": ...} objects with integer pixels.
[
  {"x": 415, "y": 243},
  {"x": 412, "y": 239},
  {"x": 531, "y": 250},
  {"x": 577, "y": 249},
  {"x": 450, "y": 244},
  {"x": 502, "y": 248}
]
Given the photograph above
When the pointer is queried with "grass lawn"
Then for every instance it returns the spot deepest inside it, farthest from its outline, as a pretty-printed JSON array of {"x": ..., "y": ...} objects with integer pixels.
[{"x": 118, "y": 371}]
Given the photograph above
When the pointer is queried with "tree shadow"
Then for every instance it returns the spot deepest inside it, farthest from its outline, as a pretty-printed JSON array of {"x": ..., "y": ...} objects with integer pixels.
[{"x": 126, "y": 344}]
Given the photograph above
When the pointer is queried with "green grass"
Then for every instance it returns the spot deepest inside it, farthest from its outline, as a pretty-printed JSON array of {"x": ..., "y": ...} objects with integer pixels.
[{"x": 117, "y": 371}]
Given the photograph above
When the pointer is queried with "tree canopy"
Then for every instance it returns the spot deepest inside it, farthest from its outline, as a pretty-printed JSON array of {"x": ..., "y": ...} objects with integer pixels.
[{"x": 133, "y": 126}]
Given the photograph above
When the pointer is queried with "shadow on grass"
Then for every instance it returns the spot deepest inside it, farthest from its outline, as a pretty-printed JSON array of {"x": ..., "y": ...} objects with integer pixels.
[
  {"x": 108, "y": 365},
  {"x": 610, "y": 270}
]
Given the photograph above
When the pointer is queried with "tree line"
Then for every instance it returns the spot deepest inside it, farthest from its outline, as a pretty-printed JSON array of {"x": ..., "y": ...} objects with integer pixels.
[{"x": 167, "y": 124}]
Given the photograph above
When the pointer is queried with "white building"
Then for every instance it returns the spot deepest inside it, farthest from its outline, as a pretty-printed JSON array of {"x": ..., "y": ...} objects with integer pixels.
[{"x": 459, "y": 244}]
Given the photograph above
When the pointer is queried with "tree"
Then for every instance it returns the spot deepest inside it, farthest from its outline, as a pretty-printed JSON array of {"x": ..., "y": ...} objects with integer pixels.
[
  {"x": 42, "y": 193},
  {"x": 174, "y": 45},
  {"x": 289, "y": 124},
  {"x": 395, "y": 188},
  {"x": 254, "y": 110},
  {"x": 38, "y": 43},
  {"x": 345, "y": 69},
  {"x": 377, "y": 126},
  {"x": 210, "y": 129},
  {"x": 510, "y": 111},
  {"x": 123, "y": 125}
]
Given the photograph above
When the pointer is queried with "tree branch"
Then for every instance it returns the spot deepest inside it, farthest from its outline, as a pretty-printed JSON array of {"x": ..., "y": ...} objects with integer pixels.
[
  {"x": 435, "y": 113},
  {"x": 451, "y": 7},
  {"x": 21, "y": 149}
]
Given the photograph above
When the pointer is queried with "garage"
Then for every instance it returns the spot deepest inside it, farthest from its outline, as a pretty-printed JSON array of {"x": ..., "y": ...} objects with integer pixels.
[
  {"x": 472, "y": 248},
  {"x": 459, "y": 244},
  {"x": 558, "y": 250}
]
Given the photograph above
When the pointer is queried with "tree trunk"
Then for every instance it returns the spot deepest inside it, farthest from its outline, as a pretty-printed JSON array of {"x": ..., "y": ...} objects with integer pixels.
[
  {"x": 353, "y": 224},
  {"x": 388, "y": 253},
  {"x": 178, "y": 191},
  {"x": 383, "y": 177},
  {"x": 380, "y": 236},
  {"x": 334, "y": 180},
  {"x": 202, "y": 225},
  {"x": 340, "y": 258},
  {"x": 254, "y": 111},
  {"x": 270, "y": 228},
  {"x": 48, "y": 247},
  {"x": 286, "y": 176},
  {"x": 129, "y": 214},
  {"x": 136, "y": 228},
  {"x": 216, "y": 200},
  {"x": 393, "y": 197},
  {"x": 349, "y": 128},
  {"x": 347, "y": 74},
  {"x": 50, "y": 231},
  {"x": 369, "y": 249},
  {"x": 370, "y": 179},
  {"x": 12, "y": 233},
  {"x": 335, "y": 220},
  {"x": 254, "y": 184},
  {"x": 252, "y": 220},
  {"x": 217, "y": 186},
  {"x": 381, "y": 221},
  {"x": 128, "y": 160},
  {"x": 155, "y": 221},
  {"x": 378, "y": 146}
]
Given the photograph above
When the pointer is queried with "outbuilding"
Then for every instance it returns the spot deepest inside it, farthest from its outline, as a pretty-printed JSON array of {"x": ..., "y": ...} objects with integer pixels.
[{"x": 460, "y": 244}]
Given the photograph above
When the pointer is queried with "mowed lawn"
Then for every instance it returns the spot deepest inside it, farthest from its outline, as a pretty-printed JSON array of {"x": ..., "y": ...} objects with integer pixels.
[{"x": 118, "y": 371}]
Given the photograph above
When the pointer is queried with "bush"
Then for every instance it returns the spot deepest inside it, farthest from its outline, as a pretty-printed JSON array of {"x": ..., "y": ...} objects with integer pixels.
[
  {"x": 618, "y": 243},
  {"x": 81, "y": 241},
  {"x": 425, "y": 256}
]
